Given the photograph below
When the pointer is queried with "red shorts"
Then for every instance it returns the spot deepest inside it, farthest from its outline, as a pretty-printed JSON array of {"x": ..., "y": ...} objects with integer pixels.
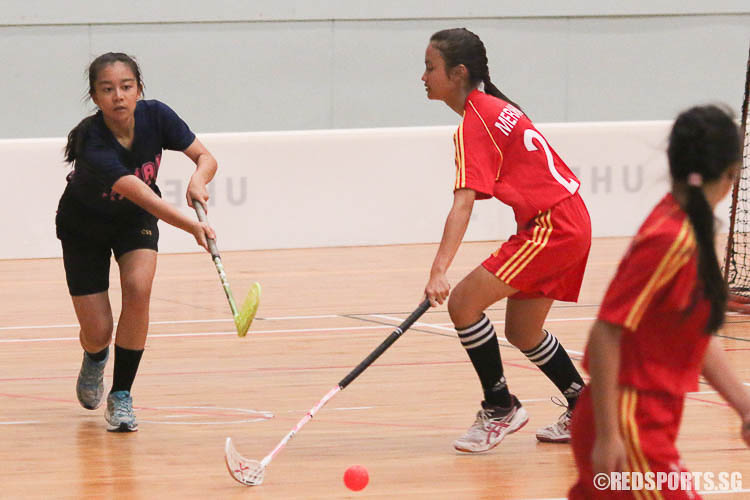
[
  {"x": 547, "y": 257},
  {"x": 649, "y": 422}
]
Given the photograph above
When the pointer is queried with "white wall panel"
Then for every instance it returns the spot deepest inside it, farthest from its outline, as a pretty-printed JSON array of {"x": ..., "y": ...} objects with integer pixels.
[
  {"x": 41, "y": 86},
  {"x": 140, "y": 11},
  {"x": 634, "y": 68},
  {"x": 347, "y": 187},
  {"x": 237, "y": 76},
  {"x": 231, "y": 66}
]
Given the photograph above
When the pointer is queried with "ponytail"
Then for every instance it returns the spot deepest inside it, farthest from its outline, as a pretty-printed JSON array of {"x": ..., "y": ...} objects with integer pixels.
[
  {"x": 76, "y": 139},
  {"x": 715, "y": 289},
  {"x": 704, "y": 144},
  {"x": 489, "y": 88}
]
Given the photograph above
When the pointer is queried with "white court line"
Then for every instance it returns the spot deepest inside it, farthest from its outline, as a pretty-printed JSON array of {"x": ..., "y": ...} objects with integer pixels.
[
  {"x": 209, "y": 334},
  {"x": 176, "y": 322},
  {"x": 272, "y": 318},
  {"x": 441, "y": 327},
  {"x": 21, "y": 422},
  {"x": 225, "y": 320},
  {"x": 281, "y": 318}
]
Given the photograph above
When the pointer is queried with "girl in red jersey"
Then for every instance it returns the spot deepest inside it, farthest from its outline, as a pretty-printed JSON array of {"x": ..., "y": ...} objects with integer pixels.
[
  {"x": 500, "y": 154},
  {"x": 652, "y": 338}
]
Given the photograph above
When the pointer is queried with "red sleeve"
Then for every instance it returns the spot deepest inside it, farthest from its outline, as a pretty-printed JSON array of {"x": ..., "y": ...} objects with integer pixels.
[
  {"x": 652, "y": 261},
  {"x": 477, "y": 157}
]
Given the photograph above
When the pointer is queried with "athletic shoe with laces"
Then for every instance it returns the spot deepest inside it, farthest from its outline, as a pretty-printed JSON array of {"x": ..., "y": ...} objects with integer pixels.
[
  {"x": 90, "y": 384},
  {"x": 119, "y": 414},
  {"x": 492, "y": 424},
  {"x": 559, "y": 432}
]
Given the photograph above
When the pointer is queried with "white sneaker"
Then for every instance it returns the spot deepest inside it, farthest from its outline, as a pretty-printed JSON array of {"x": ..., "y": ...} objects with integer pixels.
[
  {"x": 492, "y": 424},
  {"x": 559, "y": 432}
]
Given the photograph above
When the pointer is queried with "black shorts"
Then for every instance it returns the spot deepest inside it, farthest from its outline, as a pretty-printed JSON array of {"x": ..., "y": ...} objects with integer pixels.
[{"x": 89, "y": 239}]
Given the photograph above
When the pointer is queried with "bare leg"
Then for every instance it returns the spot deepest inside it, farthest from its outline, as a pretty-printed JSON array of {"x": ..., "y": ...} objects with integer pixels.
[
  {"x": 137, "y": 269},
  {"x": 524, "y": 320},
  {"x": 95, "y": 317},
  {"x": 475, "y": 293}
]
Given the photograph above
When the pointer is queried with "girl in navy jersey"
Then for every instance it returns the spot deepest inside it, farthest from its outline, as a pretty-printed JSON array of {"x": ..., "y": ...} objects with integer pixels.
[
  {"x": 652, "y": 338},
  {"x": 500, "y": 154},
  {"x": 111, "y": 205}
]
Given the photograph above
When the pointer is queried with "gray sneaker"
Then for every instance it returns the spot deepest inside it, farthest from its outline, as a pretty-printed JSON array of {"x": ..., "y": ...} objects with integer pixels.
[
  {"x": 119, "y": 414},
  {"x": 90, "y": 384}
]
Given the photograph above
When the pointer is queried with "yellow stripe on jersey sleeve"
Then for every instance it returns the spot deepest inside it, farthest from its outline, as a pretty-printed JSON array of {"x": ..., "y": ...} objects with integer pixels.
[
  {"x": 457, "y": 184},
  {"x": 458, "y": 142},
  {"x": 668, "y": 266},
  {"x": 499, "y": 166}
]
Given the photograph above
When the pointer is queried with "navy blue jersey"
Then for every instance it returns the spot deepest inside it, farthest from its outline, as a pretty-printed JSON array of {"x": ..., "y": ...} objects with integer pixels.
[{"x": 103, "y": 160}]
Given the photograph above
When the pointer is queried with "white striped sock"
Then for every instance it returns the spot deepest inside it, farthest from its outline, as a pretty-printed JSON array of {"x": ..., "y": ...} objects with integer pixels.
[
  {"x": 476, "y": 334},
  {"x": 542, "y": 353}
]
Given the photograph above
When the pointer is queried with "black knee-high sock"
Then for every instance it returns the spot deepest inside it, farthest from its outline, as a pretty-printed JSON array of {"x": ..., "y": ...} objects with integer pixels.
[
  {"x": 126, "y": 366},
  {"x": 553, "y": 360},
  {"x": 480, "y": 342}
]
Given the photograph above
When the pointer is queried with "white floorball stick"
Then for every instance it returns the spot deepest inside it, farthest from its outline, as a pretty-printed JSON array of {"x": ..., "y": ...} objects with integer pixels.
[{"x": 251, "y": 472}]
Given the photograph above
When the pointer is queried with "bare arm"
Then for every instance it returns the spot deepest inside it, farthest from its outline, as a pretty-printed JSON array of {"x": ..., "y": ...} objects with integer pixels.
[
  {"x": 438, "y": 288},
  {"x": 204, "y": 172},
  {"x": 717, "y": 370},
  {"x": 608, "y": 454},
  {"x": 135, "y": 190}
]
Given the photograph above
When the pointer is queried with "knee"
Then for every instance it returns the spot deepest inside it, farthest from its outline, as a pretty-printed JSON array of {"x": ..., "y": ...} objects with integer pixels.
[
  {"x": 97, "y": 331},
  {"x": 461, "y": 312},
  {"x": 515, "y": 337},
  {"x": 524, "y": 339},
  {"x": 136, "y": 292}
]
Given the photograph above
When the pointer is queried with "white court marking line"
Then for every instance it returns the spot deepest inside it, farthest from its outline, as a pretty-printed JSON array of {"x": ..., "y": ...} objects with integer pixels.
[
  {"x": 177, "y": 322},
  {"x": 262, "y": 415},
  {"x": 208, "y": 334},
  {"x": 21, "y": 422},
  {"x": 440, "y": 327},
  {"x": 271, "y": 318}
]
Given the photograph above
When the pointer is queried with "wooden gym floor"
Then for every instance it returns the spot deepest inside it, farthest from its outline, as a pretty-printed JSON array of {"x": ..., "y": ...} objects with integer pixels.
[{"x": 323, "y": 311}]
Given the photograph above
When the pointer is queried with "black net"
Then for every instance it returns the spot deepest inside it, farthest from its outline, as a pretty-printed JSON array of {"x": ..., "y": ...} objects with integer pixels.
[{"x": 738, "y": 259}]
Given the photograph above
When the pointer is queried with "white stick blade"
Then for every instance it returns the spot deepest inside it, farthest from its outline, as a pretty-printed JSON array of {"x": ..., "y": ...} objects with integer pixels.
[{"x": 247, "y": 472}]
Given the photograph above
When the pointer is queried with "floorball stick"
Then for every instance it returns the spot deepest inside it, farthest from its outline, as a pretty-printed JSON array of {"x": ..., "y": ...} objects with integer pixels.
[
  {"x": 244, "y": 316},
  {"x": 251, "y": 472}
]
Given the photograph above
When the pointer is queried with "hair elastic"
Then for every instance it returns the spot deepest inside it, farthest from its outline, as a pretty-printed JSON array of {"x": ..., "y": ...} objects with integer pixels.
[{"x": 695, "y": 179}]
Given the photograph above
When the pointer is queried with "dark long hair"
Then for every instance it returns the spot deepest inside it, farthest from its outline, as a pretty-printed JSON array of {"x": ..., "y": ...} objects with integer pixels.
[
  {"x": 705, "y": 141},
  {"x": 76, "y": 136},
  {"x": 461, "y": 46}
]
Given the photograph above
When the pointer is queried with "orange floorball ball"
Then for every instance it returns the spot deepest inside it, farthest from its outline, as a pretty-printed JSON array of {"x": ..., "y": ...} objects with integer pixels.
[{"x": 356, "y": 477}]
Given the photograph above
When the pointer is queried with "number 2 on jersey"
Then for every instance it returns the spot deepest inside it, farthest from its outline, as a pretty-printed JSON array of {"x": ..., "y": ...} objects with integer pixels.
[{"x": 528, "y": 140}]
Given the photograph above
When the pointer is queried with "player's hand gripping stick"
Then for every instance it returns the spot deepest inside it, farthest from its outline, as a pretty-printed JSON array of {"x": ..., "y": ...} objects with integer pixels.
[{"x": 243, "y": 317}]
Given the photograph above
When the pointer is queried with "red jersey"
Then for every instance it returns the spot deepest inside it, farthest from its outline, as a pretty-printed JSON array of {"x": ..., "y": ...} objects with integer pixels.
[
  {"x": 656, "y": 298},
  {"x": 500, "y": 153}
]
